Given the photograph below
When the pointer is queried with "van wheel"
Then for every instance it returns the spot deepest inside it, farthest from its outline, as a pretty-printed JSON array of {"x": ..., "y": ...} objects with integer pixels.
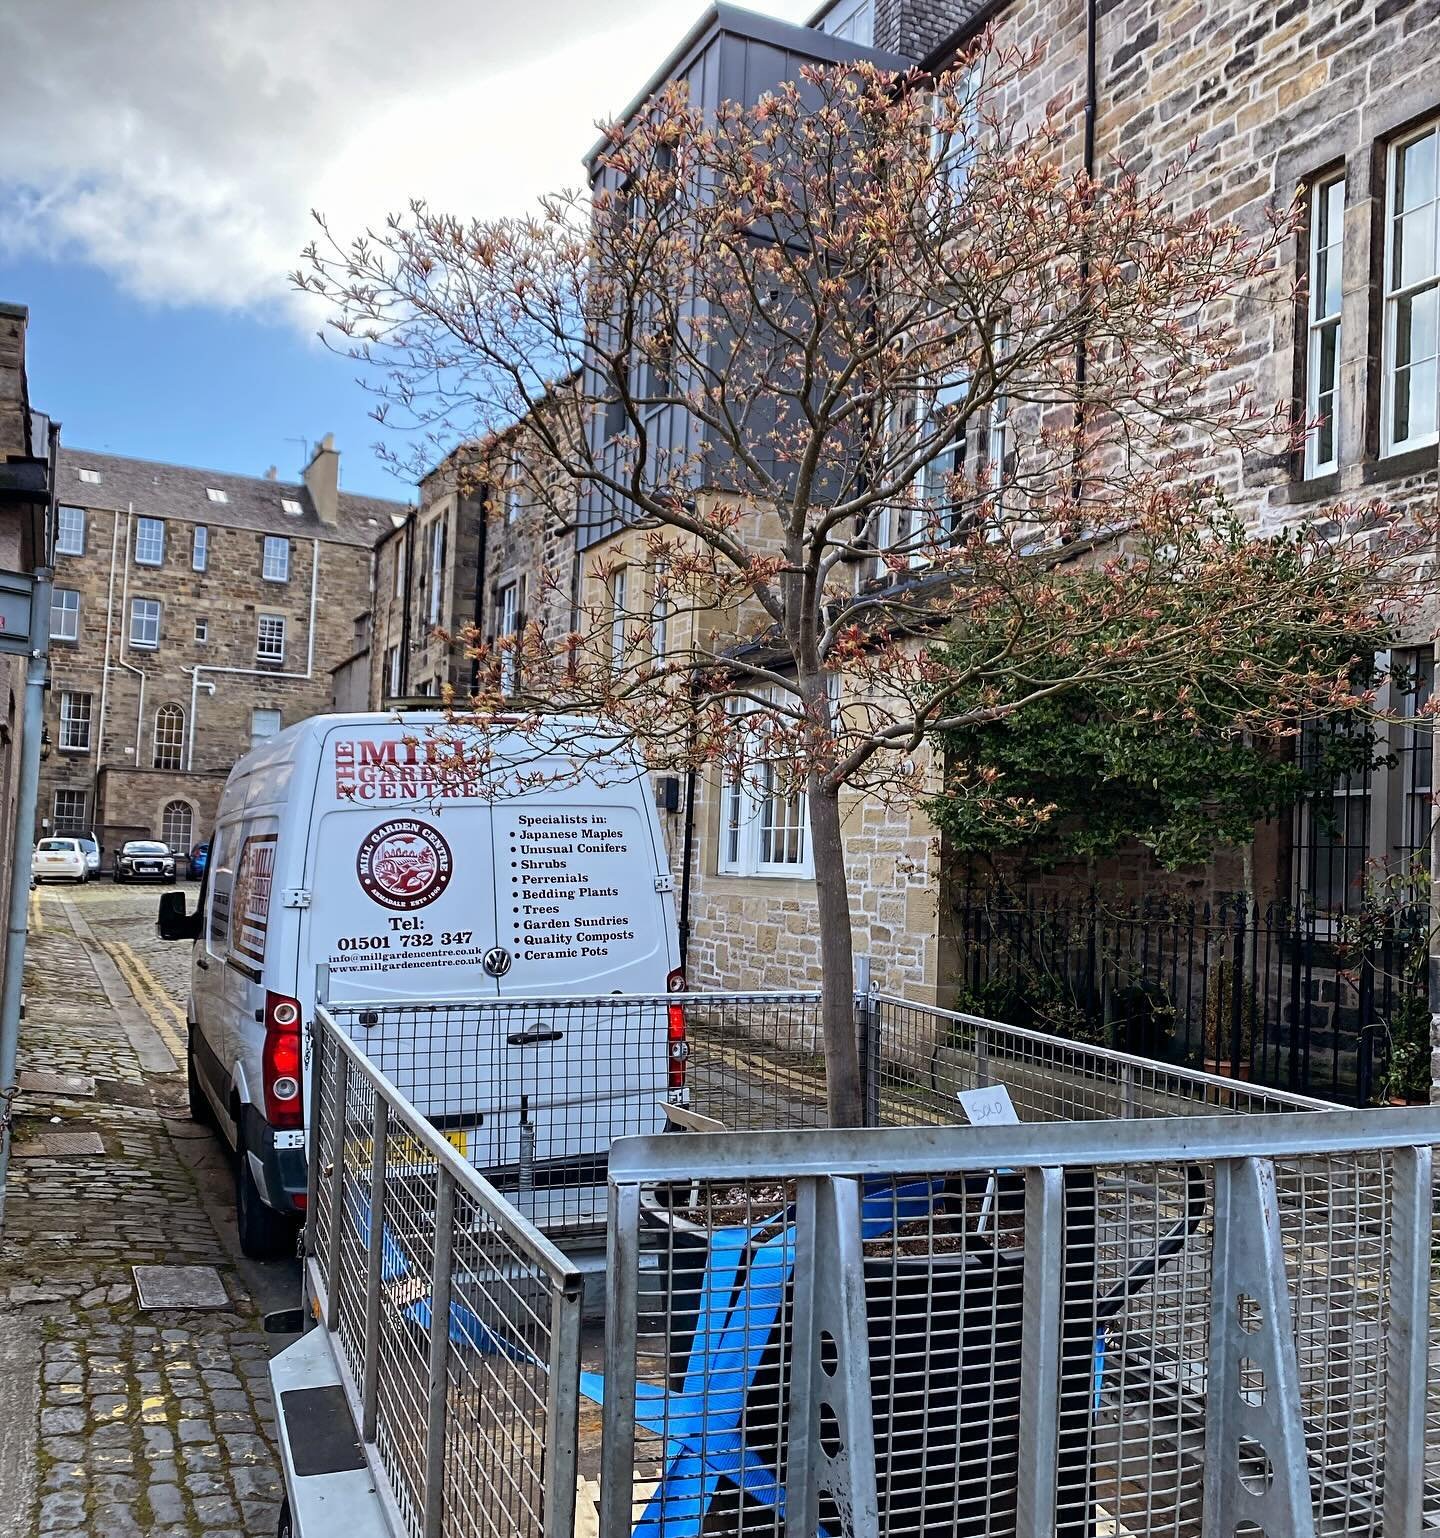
[
  {"x": 264, "y": 1233},
  {"x": 199, "y": 1104}
]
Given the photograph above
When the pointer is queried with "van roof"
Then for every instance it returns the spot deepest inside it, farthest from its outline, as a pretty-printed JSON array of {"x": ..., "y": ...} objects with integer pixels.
[{"x": 282, "y": 747}]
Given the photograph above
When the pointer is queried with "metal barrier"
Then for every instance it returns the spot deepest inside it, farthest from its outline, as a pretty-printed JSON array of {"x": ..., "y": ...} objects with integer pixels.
[
  {"x": 469, "y": 1426},
  {"x": 1060, "y": 1331},
  {"x": 1145, "y": 1227},
  {"x": 532, "y": 1092}
]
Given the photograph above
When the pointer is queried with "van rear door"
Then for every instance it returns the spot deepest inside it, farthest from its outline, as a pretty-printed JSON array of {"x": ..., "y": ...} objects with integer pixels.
[
  {"x": 400, "y": 886},
  {"x": 582, "y": 913}
]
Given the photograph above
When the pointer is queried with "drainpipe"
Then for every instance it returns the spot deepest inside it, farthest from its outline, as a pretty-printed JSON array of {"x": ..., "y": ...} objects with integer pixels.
[
  {"x": 480, "y": 582},
  {"x": 409, "y": 546},
  {"x": 23, "y": 847},
  {"x": 1082, "y": 347},
  {"x": 105, "y": 665},
  {"x": 688, "y": 849}
]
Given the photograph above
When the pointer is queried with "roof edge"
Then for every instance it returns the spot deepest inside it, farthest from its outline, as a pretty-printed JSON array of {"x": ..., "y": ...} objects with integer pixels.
[{"x": 721, "y": 16}]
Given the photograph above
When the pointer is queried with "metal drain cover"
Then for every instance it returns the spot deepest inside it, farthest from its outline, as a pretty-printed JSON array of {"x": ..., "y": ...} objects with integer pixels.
[
  {"x": 78, "y": 1086},
  {"x": 61, "y": 1145},
  {"x": 180, "y": 1287}
]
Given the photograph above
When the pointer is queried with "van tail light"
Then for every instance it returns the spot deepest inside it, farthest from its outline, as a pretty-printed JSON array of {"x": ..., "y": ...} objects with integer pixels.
[
  {"x": 678, "y": 1049},
  {"x": 281, "y": 1062}
]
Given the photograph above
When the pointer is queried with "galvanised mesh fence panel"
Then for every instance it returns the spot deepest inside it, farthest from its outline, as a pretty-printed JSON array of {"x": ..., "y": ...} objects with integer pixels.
[
  {"x": 1061, "y": 1330},
  {"x": 919, "y": 1058},
  {"x": 456, "y": 1324}
]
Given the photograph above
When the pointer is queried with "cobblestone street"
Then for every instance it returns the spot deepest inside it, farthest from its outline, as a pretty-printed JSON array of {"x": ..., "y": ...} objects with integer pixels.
[{"x": 115, "y": 1420}]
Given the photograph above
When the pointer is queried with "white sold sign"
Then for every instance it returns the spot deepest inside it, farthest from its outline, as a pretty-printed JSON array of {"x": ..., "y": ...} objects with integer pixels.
[{"x": 988, "y": 1107}]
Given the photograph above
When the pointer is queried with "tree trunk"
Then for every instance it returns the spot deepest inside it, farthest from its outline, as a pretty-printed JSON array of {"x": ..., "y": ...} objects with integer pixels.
[{"x": 837, "y": 959}]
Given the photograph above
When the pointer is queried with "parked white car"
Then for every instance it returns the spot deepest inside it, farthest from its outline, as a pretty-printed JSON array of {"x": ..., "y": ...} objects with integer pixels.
[
  {"x": 353, "y": 842},
  {"x": 92, "y": 853},
  {"x": 59, "y": 859}
]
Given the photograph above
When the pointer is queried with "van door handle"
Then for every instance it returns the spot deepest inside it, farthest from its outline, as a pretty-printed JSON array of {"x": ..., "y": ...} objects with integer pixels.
[
  {"x": 534, "y": 1038},
  {"x": 201, "y": 962}
]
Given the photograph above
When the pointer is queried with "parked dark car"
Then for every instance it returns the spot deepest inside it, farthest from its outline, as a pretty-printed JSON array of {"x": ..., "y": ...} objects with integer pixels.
[
  {"x": 144, "y": 860},
  {"x": 199, "y": 859}
]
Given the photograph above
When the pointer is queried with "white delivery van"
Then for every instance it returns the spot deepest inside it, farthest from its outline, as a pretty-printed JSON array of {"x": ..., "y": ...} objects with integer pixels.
[{"x": 374, "y": 846}]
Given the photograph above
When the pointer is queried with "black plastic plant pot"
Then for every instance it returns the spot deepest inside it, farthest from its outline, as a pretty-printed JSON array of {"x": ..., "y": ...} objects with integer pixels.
[{"x": 946, "y": 1333}]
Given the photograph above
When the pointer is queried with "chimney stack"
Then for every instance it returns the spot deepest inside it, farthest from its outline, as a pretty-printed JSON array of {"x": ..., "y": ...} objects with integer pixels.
[{"x": 322, "y": 480}]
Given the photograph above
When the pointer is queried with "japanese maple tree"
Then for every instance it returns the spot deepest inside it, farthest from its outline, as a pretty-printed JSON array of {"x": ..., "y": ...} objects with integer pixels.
[{"x": 920, "y": 425}]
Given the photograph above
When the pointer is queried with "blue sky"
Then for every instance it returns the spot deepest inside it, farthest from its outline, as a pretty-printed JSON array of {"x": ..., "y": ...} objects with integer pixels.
[
  {"x": 192, "y": 384},
  {"x": 157, "y": 176}
]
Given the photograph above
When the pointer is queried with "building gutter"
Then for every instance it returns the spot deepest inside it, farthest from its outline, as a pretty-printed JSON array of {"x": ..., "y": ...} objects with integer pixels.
[
  {"x": 309, "y": 673},
  {"x": 37, "y": 669}
]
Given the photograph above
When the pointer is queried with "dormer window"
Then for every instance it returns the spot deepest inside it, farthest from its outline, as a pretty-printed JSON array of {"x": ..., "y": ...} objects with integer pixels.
[
  {"x": 90, "y": 477},
  {"x": 290, "y": 505},
  {"x": 216, "y": 495}
]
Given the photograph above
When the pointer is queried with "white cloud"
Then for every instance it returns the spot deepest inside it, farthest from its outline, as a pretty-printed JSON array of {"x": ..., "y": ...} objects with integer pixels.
[{"x": 181, "y": 148}]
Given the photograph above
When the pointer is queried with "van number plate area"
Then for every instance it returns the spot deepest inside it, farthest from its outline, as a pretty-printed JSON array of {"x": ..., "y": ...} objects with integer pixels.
[{"x": 410, "y": 1154}]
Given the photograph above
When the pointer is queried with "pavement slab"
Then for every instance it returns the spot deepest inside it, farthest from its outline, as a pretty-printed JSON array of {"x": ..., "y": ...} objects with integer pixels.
[{"x": 111, "y": 1416}]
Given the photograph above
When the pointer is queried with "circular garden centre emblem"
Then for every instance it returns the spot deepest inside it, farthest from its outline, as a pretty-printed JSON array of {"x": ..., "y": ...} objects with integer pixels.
[{"x": 404, "y": 864}]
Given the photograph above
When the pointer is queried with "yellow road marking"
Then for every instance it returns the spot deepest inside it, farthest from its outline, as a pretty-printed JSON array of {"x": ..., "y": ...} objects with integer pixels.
[
  {"x": 37, "y": 912},
  {"x": 147, "y": 991}
]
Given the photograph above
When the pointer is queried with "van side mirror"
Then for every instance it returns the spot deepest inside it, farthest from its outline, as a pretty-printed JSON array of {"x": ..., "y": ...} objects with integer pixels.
[{"x": 174, "y": 923}]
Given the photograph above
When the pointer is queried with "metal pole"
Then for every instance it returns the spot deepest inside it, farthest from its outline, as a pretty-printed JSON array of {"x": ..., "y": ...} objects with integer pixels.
[
  {"x": 374, "y": 1266},
  {"x": 439, "y": 1354},
  {"x": 22, "y": 852}
]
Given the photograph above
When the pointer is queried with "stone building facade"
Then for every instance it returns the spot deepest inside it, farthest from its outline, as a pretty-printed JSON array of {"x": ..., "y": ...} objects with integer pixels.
[
  {"x": 1333, "y": 101},
  {"x": 489, "y": 550},
  {"x": 26, "y": 525},
  {"x": 194, "y": 613}
]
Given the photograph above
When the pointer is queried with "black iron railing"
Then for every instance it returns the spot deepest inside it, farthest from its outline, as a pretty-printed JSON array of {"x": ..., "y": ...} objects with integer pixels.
[{"x": 1275, "y": 995}]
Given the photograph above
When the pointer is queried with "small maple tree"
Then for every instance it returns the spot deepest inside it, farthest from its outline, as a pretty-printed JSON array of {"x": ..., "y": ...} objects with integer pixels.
[{"x": 917, "y": 422}]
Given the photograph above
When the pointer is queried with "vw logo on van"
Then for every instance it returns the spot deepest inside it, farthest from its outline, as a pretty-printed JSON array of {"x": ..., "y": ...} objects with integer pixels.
[
  {"x": 497, "y": 961},
  {"x": 404, "y": 864}
]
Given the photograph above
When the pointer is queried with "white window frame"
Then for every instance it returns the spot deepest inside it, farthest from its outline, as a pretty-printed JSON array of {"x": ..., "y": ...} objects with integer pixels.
[
  {"x": 168, "y": 737},
  {"x": 149, "y": 541},
  {"x": 214, "y": 494},
  {"x": 268, "y": 712},
  {"x": 64, "y": 616},
  {"x": 291, "y": 506},
  {"x": 853, "y": 20},
  {"x": 514, "y": 500},
  {"x": 1397, "y": 293},
  {"x": 202, "y": 632},
  {"x": 619, "y": 650},
  {"x": 746, "y": 817},
  {"x": 200, "y": 548},
  {"x": 65, "y": 545},
  {"x": 956, "y": 159},
  {"x": 507, "y": 603},
  {"x": 399, "y": 589},
  {"x": 75, "y": 721},
  {"x": 144, "y": 616},
  {"x": 437, "y": 568},
  {"x": 275, "y": 558},
  {"x": 661, "y": 608},
  {"x": 1322, "y": 394},
  {"x": 75, "y": 824},
  {"x": 177, "y": 845},
  {"x": 270, "y": 626},
  {"x": 90, "y": 477},
  {"x": 392, "y": 667}
]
